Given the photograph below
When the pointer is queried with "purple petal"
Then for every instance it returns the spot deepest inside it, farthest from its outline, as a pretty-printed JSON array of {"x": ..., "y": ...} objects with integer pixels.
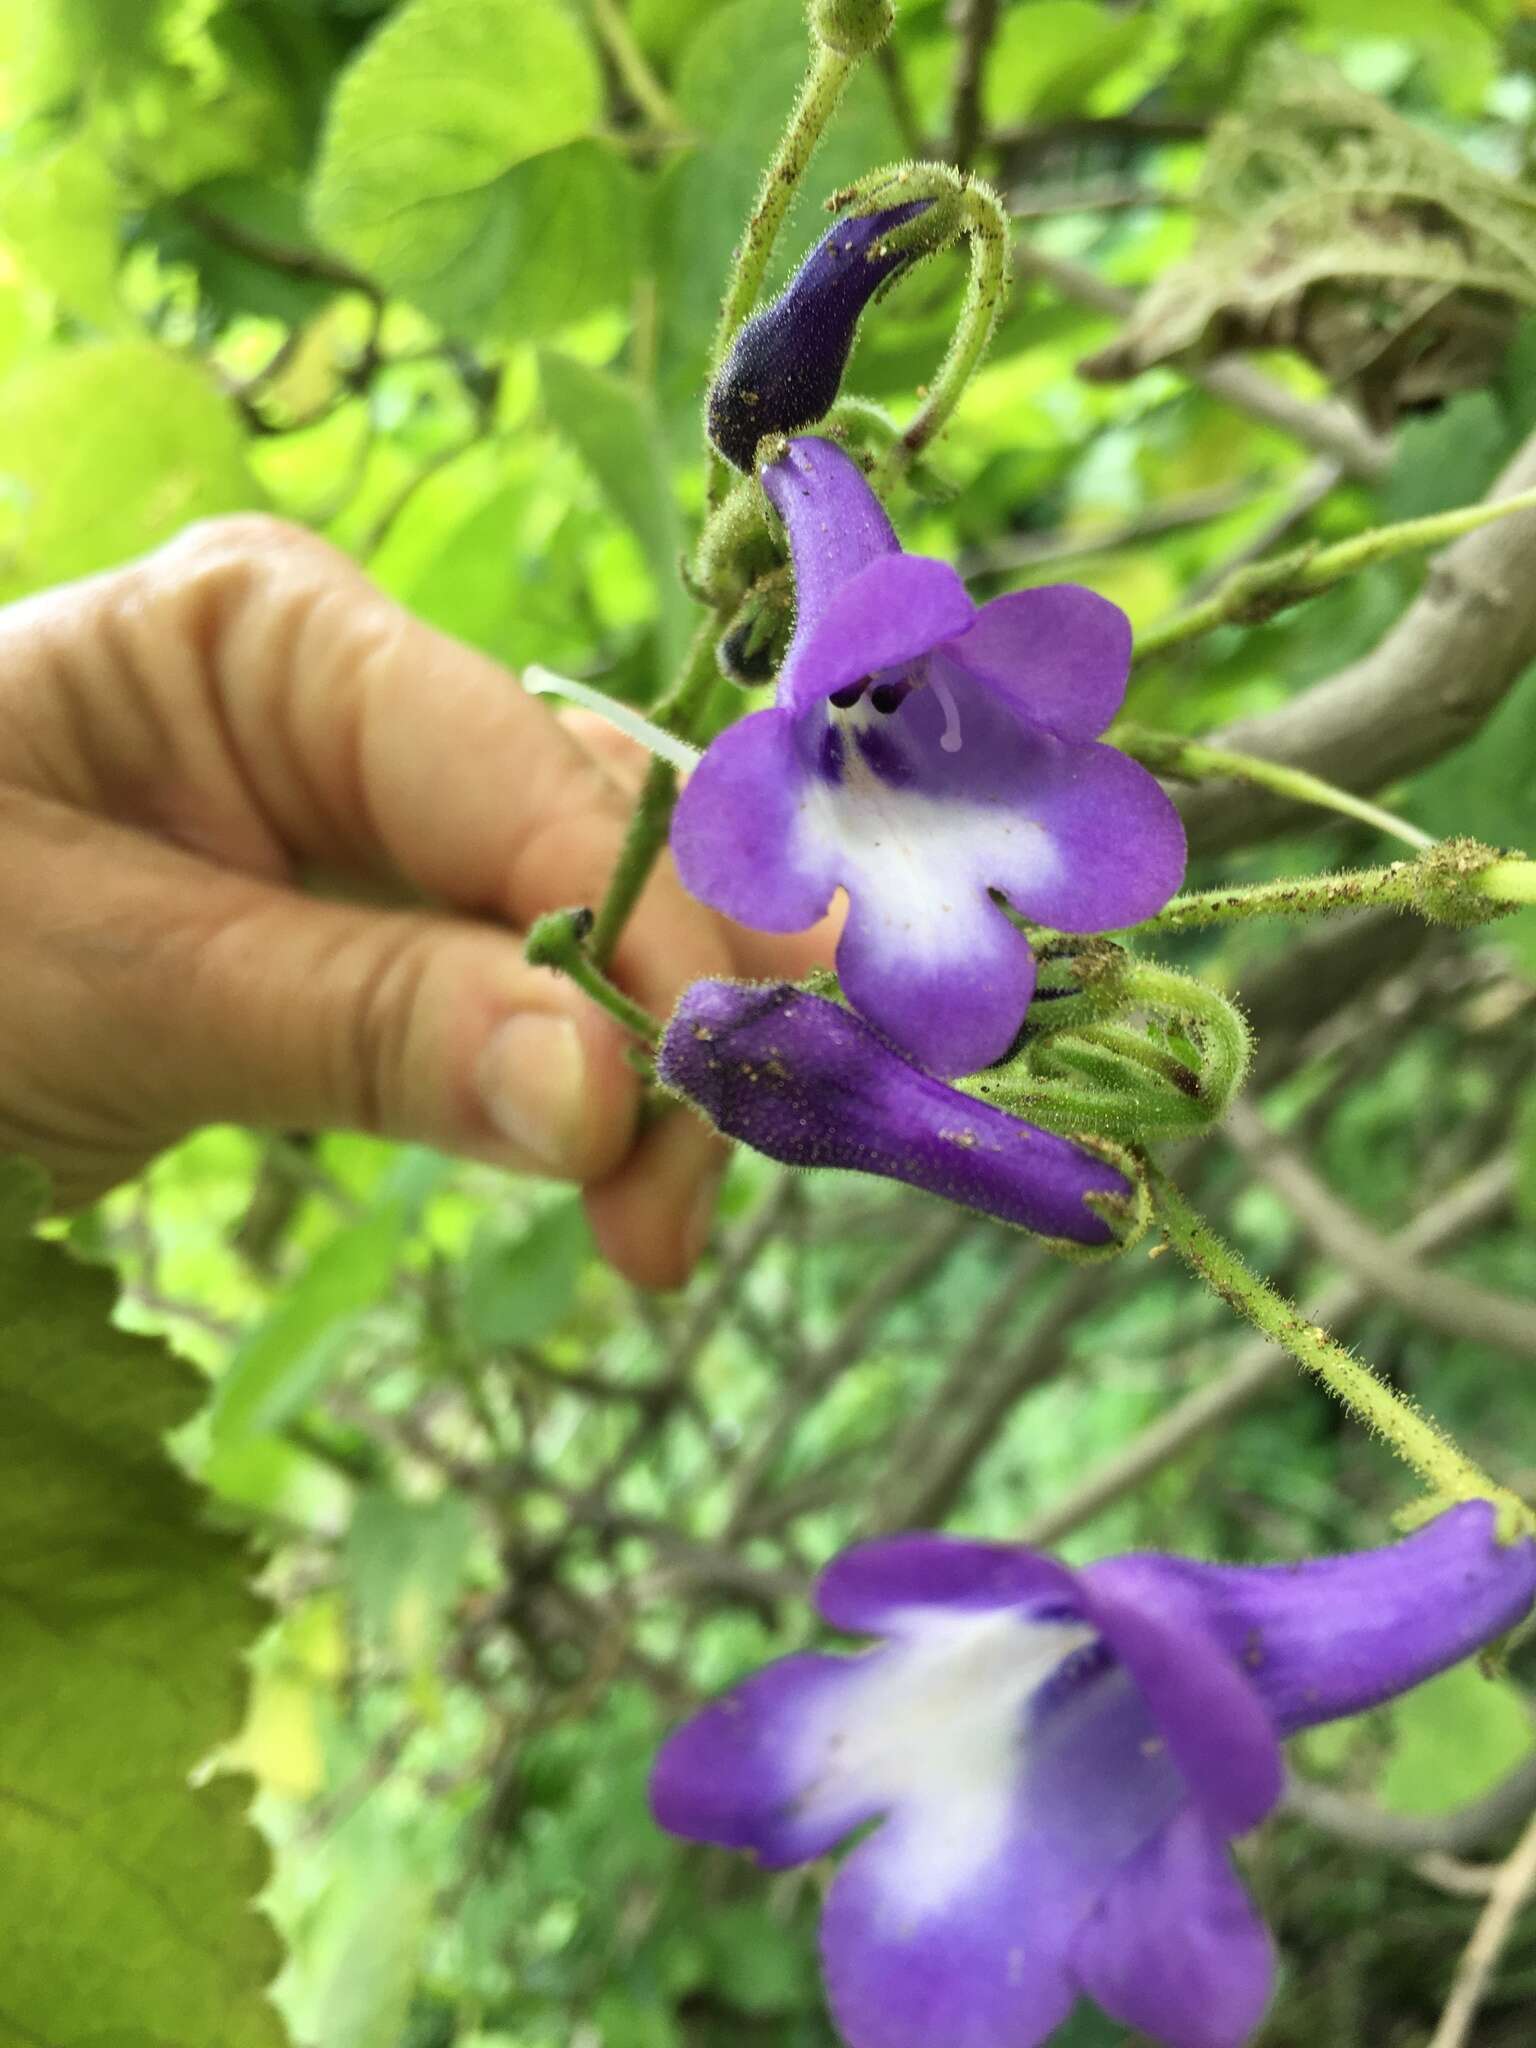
[
  {"x": 1336, "y": 1635},
  {"x": 1174, "y": 1947},
  {"x": 1119, "y": 842},
  {"x": 735, "y": 834},
  {"x": 1060, "y": 655},
  {"x": 1075, "y": 834},
  {"x": 798, "y": 1078},
  {"x": 1206, "y": 1708},
  {"x": 952, "y": 1922},
  {"x": 938, "y": 802},
  {"x": 870, "y": 1588},
  {"x": 738, "y": 1773},
  {"x": 837, "y": 526},
  {"x": 989, "y": 1972},
  {"x": 954, "y": 1011},
  {"x": 887, "y": 615}
]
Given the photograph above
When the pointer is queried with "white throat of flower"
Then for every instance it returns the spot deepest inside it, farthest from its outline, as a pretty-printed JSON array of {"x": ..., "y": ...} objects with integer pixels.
[{"x": 932, "y": 1729}]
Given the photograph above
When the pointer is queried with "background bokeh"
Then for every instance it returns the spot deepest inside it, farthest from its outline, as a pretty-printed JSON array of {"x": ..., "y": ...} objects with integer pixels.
[{"x": 439, "y": 280}]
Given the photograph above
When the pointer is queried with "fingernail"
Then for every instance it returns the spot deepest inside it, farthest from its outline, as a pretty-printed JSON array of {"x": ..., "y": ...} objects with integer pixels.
[
  {"x": 532, "y": 1078},
  {"x": 700, "y": 1226}
]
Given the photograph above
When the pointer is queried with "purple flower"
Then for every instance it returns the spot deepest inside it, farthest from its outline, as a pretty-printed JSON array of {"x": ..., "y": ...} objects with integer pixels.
[
  {"x": 922, "y": 752},
  {"x": 798, "y": 1078},
  {"x": 788, "y": 361},
  {"x": 1055, "y": 1761}
]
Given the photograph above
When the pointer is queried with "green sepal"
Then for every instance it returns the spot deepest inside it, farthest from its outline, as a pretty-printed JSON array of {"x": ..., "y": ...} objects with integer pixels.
[
  {"x": 739, "y": 544},
  {"x": 754, "y": 643}
]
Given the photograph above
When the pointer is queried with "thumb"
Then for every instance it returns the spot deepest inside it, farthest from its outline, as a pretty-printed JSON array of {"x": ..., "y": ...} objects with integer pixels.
[{"x": 192, "y": 994}]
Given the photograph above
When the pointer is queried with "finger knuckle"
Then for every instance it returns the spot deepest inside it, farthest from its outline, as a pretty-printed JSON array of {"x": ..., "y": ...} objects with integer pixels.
[{"x": 381, "y": 1022}]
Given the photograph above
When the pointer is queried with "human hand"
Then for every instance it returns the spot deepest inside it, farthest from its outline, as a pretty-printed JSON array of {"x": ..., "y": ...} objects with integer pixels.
[{"x": 182, "y": 743}]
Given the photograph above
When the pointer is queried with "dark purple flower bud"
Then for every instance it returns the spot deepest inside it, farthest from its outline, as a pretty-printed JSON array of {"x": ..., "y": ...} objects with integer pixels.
[
  {"x": 787, "y": 362},
  {"x": 804, "y": 1081}
]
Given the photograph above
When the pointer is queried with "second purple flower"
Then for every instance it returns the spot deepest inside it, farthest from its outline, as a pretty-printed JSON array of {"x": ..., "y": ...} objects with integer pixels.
[
  {"x": 1044, "y": 1767},
  {"x": 922, "y": 753}
]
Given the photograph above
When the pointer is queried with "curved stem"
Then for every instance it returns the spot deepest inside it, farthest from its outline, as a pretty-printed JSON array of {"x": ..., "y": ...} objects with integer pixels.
[
  {"x": 1445, "y": 1469},
  {"x": 1192, "y": 761},
  {"x": 1261, "y": 589},
  {"x": 986, "y": 229},
  {"x": 651, "y": 818},
  {"x": 557, "y": 940}
]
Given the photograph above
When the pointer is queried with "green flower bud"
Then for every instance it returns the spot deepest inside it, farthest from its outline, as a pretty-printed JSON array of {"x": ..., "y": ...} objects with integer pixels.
[{"x": 854, "y": 28}]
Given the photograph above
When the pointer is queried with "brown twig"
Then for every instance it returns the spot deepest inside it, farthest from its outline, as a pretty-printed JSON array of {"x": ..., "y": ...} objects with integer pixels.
[
  {"x": 1513, "y": 1884},
  {"x": 1466, "y": 1828},
  {"x": 1039, "y": 550},
  {"x": 1441, "y": 1301},
  {"x": 937, "y": 1484},
  {"x": 977, "y": 24},
  {"x": 312, "y": 265},
  {"x": 1434, "y": 679}
]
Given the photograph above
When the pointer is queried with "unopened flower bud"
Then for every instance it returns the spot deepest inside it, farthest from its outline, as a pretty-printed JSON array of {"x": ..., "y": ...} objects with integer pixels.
[
  {"x": 787, "y": 363},
  {"x": 754, "y": 643},
  {"x": 854, "y": 28},
  {"x": 804, "y": 1081}
]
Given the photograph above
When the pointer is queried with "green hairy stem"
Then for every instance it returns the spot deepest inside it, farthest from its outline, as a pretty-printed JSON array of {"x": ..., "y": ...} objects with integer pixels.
[{"x": 1446, "y": 1471}]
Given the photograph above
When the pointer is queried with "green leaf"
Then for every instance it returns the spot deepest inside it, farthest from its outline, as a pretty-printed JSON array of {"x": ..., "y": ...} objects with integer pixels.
[
  {"x": 760, "y": 1965},
  {"x": 1525, "y": 1145},
  {"x": 1455, "y": 1738},
  {"x": 163, "y": 446},
  {"x": 278, "y": 1368},
  {"x": 613, "y": 429},
  {"x": 59, "y": 215},
  {"x": 565, "y": 246},
  {"x": 369, "y": 1941},
  {"x": 405, "y": 1563},
  {"x": 125, "y": 1623},
  {"x": 232, "y": 281},
  {"x": 518, "y": 1288},
  {"x": 1051, "y": 57},
  {"x": 662, "y": 26},
  {"x": 426, "y": 125},
  {"x": 625, "y": 2021}
]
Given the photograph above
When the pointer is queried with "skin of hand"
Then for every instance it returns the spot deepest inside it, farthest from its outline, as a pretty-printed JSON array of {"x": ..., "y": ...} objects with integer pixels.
[{"x": 267, "y": 845}]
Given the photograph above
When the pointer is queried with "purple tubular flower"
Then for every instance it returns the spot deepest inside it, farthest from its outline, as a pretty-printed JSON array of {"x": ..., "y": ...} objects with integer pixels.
[
  {"x": 798, "y": 1078},
  {"x": 922, "y": 752},
  {"x": 1056, "y": 1760},
  {"x": 788, "y": 361}
]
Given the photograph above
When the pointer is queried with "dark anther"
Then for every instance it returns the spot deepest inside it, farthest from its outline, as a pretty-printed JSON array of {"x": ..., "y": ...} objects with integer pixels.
[
  {"x": 889, "y": 697},
  {"x": 851, "y": 695}
]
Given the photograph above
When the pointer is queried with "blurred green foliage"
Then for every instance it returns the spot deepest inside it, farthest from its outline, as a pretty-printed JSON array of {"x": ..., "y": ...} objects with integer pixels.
[{"x": 427, "y": 278}]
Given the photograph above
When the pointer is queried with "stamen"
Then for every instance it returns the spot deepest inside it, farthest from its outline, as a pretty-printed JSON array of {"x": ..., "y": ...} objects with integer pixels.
[
  {"x": 850, "y": 695},
  {"x": 888, "y": 697},
  {"x": 949, "y": 738}
]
